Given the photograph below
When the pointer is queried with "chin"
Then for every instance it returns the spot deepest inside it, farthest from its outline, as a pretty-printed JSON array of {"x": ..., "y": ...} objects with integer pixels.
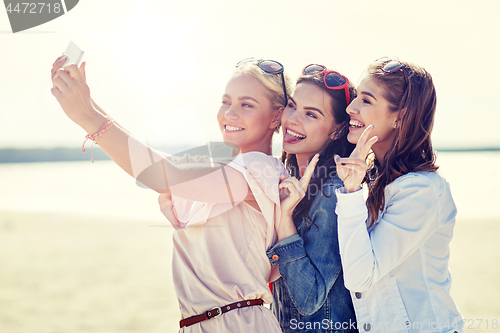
[
  {"x": 227, "y": 140},
  {"x": 291, "y": 149},
  {"x": 353, "y": 138}
]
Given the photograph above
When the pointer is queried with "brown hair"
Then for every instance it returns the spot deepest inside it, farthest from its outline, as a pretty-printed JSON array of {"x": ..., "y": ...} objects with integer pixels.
[
  {"x": 412, "y": 91},
  {"x": 326, "y": 167}
]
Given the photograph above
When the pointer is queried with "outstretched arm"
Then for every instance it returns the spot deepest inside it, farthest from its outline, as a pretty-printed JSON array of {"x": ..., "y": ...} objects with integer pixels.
[{"x": 206, "y": 182}]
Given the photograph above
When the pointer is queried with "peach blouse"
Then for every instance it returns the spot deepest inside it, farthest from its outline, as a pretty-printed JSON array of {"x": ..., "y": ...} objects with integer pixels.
[{"x": 219, "y": 252}]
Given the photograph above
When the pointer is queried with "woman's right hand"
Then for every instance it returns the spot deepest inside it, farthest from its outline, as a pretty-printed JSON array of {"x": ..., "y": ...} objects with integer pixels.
[
  {"x": 292, "y": 190},
  {"x": 73, "y": 94}
]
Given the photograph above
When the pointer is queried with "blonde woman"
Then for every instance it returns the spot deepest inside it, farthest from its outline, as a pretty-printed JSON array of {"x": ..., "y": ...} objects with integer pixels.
[{"x": 225, "y": 213}]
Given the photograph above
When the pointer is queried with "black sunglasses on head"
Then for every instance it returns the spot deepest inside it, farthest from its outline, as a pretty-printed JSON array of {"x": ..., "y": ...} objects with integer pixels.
[
  {"x": 392, "y": 66},
  {"x": 268, "y": 66}
]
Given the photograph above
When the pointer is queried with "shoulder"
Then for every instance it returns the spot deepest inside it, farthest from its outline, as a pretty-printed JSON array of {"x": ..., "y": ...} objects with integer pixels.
[
  {"x": 427, "y": 185},
  {"x": 254, "y": 158},
  {"x": 432, "y": 179},
  {"x": 261, "y": 165}
]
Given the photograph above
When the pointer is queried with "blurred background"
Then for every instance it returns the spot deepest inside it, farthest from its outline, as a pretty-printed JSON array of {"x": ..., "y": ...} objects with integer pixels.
[{"x": 83, "y": 248}]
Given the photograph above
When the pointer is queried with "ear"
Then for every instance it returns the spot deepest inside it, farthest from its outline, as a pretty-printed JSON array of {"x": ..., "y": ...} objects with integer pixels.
[
  {"x": 398, "y": 116},
  {"x": 401, "y": 114},
  {"x": 277, "y": 117}
]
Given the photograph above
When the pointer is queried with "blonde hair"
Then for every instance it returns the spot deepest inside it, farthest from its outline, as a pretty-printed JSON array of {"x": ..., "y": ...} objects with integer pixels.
[{"x": 272, "y": 82}]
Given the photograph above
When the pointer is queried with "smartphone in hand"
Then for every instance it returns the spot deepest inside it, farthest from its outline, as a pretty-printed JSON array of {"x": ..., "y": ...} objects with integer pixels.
[{"x": 74, "y": 55}]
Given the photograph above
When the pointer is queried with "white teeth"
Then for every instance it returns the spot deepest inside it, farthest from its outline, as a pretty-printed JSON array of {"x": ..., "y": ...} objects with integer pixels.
[
  {"x": 232, "y": 128},
  {"x": 356, "y": 123},
  {"x": 295, "y": 134}
]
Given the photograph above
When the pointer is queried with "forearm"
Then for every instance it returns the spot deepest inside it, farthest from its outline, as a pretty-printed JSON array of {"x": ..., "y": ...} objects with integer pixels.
[
  {"x": 286, "y": 227},
  {"x": 309, "y": 289},
  {"x": 138, "y": 160},
  {"x": 203, "y": 182},
  {"x": 98, "y": 108},
  {"x": 114, "y": 141}
]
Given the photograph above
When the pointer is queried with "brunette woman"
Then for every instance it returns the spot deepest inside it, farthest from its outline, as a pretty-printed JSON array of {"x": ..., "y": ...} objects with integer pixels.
[
  {"x": 395, "y": 247},
  {"x": 310, "y": 296}
]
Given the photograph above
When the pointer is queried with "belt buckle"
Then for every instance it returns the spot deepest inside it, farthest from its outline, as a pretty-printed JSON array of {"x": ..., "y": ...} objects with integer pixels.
[{"x": 219, "y": 312}]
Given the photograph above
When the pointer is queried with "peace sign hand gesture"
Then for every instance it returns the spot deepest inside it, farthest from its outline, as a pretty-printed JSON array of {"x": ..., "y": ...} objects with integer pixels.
[
  {"x": 292, "y": 191},
  {"x": 352, "y": 170}
]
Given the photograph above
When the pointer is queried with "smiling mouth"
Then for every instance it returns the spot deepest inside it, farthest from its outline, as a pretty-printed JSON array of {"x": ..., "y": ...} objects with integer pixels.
[
  {"x": 355, "y": 124},
  {"x": 229, "y": 128},
  {"x": 292, "y": 137}
]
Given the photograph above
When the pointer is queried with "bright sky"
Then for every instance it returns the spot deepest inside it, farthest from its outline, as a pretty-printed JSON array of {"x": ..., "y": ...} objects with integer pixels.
[{"x": 164, "y": 64}]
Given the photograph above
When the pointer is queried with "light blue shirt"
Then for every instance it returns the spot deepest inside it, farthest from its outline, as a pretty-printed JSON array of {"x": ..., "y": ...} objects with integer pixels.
[{"x": 397, "y": 271}]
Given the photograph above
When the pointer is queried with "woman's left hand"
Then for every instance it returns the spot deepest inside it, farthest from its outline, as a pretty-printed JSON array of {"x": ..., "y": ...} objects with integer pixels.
[{"x": 167, "y": 208}]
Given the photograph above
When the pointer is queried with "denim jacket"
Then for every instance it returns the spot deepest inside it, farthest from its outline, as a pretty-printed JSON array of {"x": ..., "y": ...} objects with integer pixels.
[{"x": 310, "y": 295}]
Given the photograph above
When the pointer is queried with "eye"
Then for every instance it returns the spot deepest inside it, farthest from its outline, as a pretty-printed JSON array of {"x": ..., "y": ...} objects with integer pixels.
[
  {"x": 246, "y": 105},
  {"x": 312, "y": 115},
  {"x": 291, "y": 105},
  {"x": 366, "y": 101},
  {"x": 224, "y": 102}
]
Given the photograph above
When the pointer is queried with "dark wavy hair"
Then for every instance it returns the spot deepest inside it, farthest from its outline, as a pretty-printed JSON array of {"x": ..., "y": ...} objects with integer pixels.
[
  {"x": 326, "y": 168},
  {"x": 412, "y": 91}
]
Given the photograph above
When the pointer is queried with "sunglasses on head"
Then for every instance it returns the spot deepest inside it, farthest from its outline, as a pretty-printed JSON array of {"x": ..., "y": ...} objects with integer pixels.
[
  {"x": 332, "y": 80},
  {"x": 392, "y": 65},
  {"x": 268, "y": 66}
]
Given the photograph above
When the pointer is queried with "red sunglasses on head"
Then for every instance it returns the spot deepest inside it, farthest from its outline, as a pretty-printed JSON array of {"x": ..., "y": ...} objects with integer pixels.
[{"x": 332, "y": 79}]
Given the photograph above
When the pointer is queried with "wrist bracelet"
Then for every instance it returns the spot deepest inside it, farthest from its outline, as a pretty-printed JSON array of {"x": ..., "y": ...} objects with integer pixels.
[{"x": 107, "y": 125}]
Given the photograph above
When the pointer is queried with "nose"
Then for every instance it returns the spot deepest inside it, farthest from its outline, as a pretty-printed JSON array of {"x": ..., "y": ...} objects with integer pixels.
[
  {"x": 352, "y": 108},
  {"x": 292, "y": 117},
  {"x": 231, "y": 113}
]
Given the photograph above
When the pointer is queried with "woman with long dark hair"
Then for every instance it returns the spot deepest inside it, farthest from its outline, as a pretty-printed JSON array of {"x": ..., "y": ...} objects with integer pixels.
[
  {"x": 395, "y": 247},
  {"x": 310, "y": 294}
]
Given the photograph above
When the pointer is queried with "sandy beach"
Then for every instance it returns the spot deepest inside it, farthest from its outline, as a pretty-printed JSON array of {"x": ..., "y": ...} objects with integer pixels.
[{"x": 72, "y": 273}]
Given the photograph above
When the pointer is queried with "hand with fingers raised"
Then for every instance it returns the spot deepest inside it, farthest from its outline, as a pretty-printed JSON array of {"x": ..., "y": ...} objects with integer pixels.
[
  {"x": 352, "y": 170},
  {"x": 292, "y": 191}
]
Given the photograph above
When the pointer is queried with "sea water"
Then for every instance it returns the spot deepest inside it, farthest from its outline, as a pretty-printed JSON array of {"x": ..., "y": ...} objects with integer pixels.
[{"x": 103, "y": 189}]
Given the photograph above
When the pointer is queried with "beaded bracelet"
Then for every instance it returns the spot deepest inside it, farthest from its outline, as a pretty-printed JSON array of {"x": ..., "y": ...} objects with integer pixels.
[{"x": 107, "y": 125}]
